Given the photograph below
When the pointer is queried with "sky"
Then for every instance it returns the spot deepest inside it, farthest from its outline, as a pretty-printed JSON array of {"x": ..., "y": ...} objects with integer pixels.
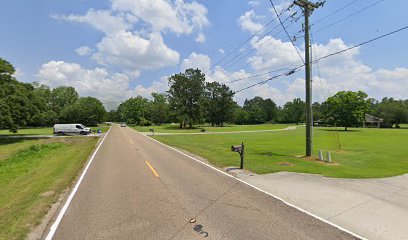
[{"x": 117, "y": 49}]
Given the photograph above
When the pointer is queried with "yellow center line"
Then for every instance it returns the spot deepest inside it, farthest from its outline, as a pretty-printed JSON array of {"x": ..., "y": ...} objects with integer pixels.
[{"x": 151, "y": 168}]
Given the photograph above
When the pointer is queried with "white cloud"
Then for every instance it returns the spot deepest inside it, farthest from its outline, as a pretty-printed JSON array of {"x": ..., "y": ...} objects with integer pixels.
[
  {"x": 200, "y": 38},
  {"x": 157, "y": 86},
  {"x": 175, "y": 16},
  {"x": 222, "y": 51},
  {"x": 109, "y": 88},
  {"x": 247, "y": 22},
  {"x": 200, "y": 61},
  {"x": 272, "y": 53},
  {"x": 253, "y": 3},
  {"x": 83, "y": 51},
  {"x": 102, "y": 20},
  {"x": 132, "y": 52}
]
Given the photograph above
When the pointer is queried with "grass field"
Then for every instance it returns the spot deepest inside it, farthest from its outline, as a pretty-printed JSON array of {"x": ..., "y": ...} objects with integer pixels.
[
  {"x": 33, "y": 173},
  {"x": 42, "y": 131},
  {"x": 174, "y": 128},
  {"x": 364, "y": 153}
]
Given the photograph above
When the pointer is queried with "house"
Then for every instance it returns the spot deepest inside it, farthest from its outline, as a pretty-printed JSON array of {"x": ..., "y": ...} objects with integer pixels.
[{"x": 371, "y": 121}]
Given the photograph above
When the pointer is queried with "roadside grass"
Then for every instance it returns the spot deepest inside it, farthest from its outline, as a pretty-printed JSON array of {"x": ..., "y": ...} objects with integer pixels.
[
  {"x": 174, "y": 128},
  {"x": 364, "y": 153},
  {"x": 43, "y": 131},
  {"x": 33, "y": 173}
]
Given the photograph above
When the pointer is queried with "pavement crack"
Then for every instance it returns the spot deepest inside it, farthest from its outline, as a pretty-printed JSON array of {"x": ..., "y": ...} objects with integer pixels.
[{"x": 243, "y": 207}]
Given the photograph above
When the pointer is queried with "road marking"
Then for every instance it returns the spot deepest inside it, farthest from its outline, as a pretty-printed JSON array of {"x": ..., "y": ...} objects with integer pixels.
[
  {"x": 151, "y": 168},
  {"x": 250, "y": 185},
  {"x": 54, "y": 226}
]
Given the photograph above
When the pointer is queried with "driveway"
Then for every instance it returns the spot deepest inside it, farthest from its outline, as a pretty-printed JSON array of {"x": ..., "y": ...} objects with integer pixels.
[{"x": 372, "y": 208}]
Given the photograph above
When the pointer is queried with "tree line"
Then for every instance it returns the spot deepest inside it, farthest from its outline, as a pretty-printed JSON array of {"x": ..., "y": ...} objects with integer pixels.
[{"x": 189, "y": 101}]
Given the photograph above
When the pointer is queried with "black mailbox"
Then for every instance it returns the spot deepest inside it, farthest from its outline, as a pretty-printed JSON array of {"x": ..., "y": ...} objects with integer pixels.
[
  {"x": 239, "y": 149},
  {"x": 236, "y": 148}
]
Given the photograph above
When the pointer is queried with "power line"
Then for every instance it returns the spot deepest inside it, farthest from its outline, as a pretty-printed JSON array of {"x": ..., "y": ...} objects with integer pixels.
[
  {"x": 245, "y": 52},
  {"x": 361, "y": 44},
  {"x": 271, "y": 78},
  {"x": 324, "y": 57},
  {"x": 276, "y": 12},
  {"x": 348, "y": 16},
  {"x": 257, "y": 75},
  {"x": 335, "y": 11}
]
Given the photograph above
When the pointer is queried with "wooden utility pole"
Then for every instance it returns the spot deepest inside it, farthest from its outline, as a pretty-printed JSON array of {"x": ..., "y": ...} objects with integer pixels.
[{"x": 308, "y": 8}]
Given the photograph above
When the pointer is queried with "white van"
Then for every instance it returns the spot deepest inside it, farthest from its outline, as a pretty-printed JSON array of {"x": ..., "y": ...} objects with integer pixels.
[{"x": 62, "y": 129}]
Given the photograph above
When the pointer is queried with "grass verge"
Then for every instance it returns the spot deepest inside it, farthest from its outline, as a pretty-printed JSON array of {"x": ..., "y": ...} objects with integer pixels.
[
  {"x": 174, "y": 128},
  {"x": 32, "y": 178},
  {"x": 364, "y": 153}
]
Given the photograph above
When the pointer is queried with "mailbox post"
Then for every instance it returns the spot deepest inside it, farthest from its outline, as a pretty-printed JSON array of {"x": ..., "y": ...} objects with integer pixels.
[
  {"x": 152, "y": 130},
  {"x": 239, "y": 149}
]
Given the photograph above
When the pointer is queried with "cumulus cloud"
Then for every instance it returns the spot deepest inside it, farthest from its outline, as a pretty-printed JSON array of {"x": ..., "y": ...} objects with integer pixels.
[
  {"x": 133, "y": 52},
  {"x": 109, "y": 88},
  {"x": 175, "y": 16},
  {"x": 83, "y": 51},
  {"x": 248, "y": 22},
  {"x": 200, "y": 38},
  {"x": 200, "y": 61},
  {"x": 102, "y": 20}
]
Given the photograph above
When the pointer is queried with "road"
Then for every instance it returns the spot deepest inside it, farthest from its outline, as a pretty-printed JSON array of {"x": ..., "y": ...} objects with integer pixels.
[{"x": 139, "y": 189}]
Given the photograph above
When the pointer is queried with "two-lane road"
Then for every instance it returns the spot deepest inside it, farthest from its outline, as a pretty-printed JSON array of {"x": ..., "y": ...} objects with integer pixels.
[{"x": 138, "y": 189}]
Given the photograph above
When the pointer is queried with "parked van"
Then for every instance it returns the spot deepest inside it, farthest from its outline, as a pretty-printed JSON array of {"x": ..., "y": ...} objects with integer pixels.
[{"x": 62, "y": 129}]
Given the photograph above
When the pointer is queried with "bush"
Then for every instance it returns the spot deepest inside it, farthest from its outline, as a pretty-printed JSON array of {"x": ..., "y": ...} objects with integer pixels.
[{"x": 145, "y": 122}]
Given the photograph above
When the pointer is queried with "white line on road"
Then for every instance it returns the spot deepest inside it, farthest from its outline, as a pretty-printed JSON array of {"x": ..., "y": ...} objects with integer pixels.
[
  {"x": 54, "y": 226},
  {"x": 250, "y": 185}
]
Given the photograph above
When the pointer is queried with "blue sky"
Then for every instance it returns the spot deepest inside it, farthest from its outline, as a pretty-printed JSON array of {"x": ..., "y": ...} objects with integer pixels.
[{"x": 122, "y": 48}]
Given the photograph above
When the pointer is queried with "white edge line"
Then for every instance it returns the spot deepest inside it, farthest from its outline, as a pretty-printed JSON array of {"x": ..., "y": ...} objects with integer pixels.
[
  {"x": 54, "y": 226},
  {"x": 250, "y": 185}
]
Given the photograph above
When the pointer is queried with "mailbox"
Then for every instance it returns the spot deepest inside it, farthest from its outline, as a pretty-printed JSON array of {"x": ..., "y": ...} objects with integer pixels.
[
  {"x": 236, "y": 148},
  {"x": 239, "y": 149}
]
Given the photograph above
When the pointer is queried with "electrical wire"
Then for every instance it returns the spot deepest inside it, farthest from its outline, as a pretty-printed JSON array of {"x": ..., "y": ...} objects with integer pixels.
[{"x": 293, "y": 44}]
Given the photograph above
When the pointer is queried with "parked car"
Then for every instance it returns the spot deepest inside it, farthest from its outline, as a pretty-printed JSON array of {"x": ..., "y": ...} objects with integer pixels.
[
  {"x": 123, "y": 124},
  {"x": 62, "y": 129}
]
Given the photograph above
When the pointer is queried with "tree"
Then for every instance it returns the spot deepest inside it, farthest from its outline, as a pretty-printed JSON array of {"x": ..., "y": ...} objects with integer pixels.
[
  {"x": 270, "y": 109},
  {"x": 293, "y": 111},
  {"x": 62, "y": 97},
  {"x": 393, "y": 112},
  {"x": 219, "y": 103},
  {"x": 87, "y": 110},
  {"x": 159, "y": 108},
  {"x": 240, "y": 115},
  {"x": 346, "y": 108},
  {"x": 186, "y": 96},
  {"x": 16, "y": 108},
  {"x": 133, "y": 110},
  {"x": 256, "y": 112}
]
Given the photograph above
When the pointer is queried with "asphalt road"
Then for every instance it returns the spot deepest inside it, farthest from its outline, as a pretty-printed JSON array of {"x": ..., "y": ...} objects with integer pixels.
[{"x": 139, "y": 189}]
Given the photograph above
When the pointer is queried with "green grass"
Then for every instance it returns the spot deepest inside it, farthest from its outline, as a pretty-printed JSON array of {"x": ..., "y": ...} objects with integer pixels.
[
  {"x": 365, "y": 153},
  {"x": 174, "y": 128},
  {"x": 32, "y": 176},
  {"x": 42, "y": 131}
]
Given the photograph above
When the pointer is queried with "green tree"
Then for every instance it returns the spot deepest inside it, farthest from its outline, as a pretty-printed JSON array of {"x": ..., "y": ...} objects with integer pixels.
[
  {"x": 393, "y": 112},
  {"x": 133, "y": 110},
  {"x": 87, "y": 110},
  {"x": 16, "y": 108},
  {"x": 159, "y": 108},
  {"x": 256, "y": 112},
  {"x": 241, "y": 116},
  {"x": 219, "y": 103},
  {"x": 293, "y": 112},
  {"x": 186, "y": 96},
  {"x": 346, "y": 108},
  {"x": 62, "y": 97}
]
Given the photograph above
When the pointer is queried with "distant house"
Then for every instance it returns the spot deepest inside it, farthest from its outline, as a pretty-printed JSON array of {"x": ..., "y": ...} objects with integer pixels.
[{"x": 371, "y": 121}]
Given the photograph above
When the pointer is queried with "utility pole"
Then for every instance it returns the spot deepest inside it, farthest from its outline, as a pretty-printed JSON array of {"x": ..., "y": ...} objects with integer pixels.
[{"x": 308, "y": 8}]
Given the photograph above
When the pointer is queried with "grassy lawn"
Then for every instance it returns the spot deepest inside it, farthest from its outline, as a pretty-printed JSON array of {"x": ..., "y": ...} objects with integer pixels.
[
  {"x": 174, "y": 128},
  {"x": 364, "y": 153},
  {"x": 33, "y": 172},
  {"x": 42, "y": 131}
]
